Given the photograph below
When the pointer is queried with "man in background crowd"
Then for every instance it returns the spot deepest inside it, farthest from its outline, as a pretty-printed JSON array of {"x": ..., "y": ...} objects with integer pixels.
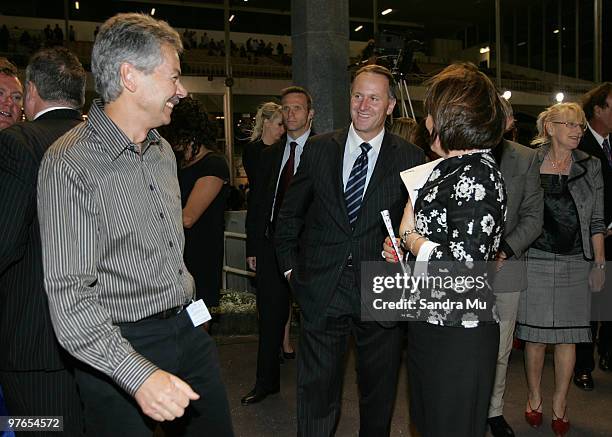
[
  {"x": 35, "y": 373},
  {"x": 596, "y": 141},
  {"x": 11, "y": 94},
  {"x": 277, "y": 165}
]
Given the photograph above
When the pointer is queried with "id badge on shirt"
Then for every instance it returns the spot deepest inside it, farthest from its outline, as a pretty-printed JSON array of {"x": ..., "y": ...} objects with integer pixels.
[{"x": 198, "y": 313}]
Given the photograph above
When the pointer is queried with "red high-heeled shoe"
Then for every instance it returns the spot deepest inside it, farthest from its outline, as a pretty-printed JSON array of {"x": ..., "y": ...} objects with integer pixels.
[
  {"x": 559, "y": 426},
  {"x": 534, "y": 417}
]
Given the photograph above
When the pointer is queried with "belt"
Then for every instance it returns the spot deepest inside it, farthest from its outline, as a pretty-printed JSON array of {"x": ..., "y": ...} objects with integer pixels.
[{"x": 167, "y": 314}]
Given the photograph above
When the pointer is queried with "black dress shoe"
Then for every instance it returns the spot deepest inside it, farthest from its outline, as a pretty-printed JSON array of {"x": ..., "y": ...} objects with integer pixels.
[
  {"x": 584, "y": 381},
  {"x": 499, "y": 427},
  {"x": 605, "y": 362},
  {"x": 257, "y": 395}
]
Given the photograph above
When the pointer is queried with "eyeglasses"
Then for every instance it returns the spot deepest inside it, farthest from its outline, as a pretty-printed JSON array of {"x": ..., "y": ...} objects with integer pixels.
[{"x": 571, "y": 124}]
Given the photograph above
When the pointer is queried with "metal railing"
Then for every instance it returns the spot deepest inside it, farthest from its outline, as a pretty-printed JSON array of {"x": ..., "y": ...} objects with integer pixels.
[{"x": 229, "y": 269}]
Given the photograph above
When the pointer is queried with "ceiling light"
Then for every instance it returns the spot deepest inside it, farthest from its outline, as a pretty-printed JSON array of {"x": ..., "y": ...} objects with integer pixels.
[
  {"x": 231, "y": 18},
  {"x": 153, "y": 11},
  {"x": 358, "y": 28},
  {"x": 386, "y": 11},
  {"x": 76, "y": 5},
  {"x": 556, "y": 31},
  {"x": 559, "y": 97},
  {"x": 507, "y": 94},
  {"x": 485, "y": 49},
  {"x": 522, "y": 43}
]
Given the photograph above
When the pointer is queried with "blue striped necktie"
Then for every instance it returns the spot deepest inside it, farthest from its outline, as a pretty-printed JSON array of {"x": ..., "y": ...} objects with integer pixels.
[
  {"x": 355, "y": 186},
  {"x": 606, "y": 148}
]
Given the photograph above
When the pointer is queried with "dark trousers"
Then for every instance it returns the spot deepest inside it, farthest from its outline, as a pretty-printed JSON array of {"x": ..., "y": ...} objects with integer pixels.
[
  {"x": 175, "y": 346},
  {"x": 44, "y": 393},
  {"x": 451, "y": 373},
  {"x": 321, "y": 363},
  {"x": 273, "y": 297}
]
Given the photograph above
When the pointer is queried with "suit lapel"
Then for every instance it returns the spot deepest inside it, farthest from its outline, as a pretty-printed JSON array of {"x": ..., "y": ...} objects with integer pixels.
[{"x": 339, "y": 140}]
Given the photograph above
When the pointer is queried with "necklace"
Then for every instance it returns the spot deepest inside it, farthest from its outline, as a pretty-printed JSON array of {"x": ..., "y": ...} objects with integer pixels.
[{"x": 562, "y": 165}]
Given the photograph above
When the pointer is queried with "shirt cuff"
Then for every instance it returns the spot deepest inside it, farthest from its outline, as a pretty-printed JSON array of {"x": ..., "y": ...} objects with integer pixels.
[
  {"x": 133, "y": 372},
  {"x": 420, "y": 266},
  {"x": 287, "y": 273}
]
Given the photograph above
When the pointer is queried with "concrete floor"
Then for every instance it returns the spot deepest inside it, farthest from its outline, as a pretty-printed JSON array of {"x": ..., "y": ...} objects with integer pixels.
[{"x": 589, "y": 413}]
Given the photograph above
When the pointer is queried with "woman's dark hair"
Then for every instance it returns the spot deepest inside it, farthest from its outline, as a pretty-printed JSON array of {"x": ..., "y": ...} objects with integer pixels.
[
  {"x": 190, "y": 128},
  {"x": 465, "y": 108}
]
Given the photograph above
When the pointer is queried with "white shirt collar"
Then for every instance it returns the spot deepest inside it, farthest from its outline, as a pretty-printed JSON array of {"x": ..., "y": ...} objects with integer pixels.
[
  {"x": 354, "y": 141},
  {"x": 52, "y": 108},
  {"x": 301, "y": 140},
  {"x": 598, "y": 137}
]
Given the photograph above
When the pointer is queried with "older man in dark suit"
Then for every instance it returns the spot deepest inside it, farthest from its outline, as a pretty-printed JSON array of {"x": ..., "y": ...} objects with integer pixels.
[
  {"x": 11, "y": 94},
  {"x": 34, "y": 370},
  {"x": 597, "y": 141},
  {"x": 329, "y": 224}
]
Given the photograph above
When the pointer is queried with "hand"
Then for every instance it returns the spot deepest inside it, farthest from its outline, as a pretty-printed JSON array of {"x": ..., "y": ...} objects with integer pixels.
[
  {"x": 597, "y": 277},
  {"x": 608, "y": 233},
  {"x": 163, "y": 396},
  {"x": 389, "y": 250},
  {"x": 288, "y": 275},
  {"x": 500, "y": 259},
  {"x": 407, "y": 218},
  {"x": 252, "y": 262}
]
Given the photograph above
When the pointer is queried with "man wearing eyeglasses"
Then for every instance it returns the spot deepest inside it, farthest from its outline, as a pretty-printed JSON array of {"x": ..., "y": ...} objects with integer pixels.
[{"x": 596, "y": 141}]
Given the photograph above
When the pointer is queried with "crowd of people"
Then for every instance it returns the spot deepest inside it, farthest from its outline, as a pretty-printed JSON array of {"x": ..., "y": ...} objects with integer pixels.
[{"x": 112, "y": 246}]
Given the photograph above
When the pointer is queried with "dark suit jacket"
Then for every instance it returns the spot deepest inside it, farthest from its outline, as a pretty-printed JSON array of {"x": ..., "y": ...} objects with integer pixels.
[
  {"x": 520, "y": 169},
  {"x": 261, "y": 199},
  {"x": 27, "y": 341},
  {"x": 590, "y": 145},
  {"x": 313, "y": 235}
]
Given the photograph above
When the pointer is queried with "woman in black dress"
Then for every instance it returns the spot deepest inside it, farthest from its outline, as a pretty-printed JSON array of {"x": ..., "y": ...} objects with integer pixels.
[
  {"x": 203, "y": 177},
  {"x": 454, "y": 228},
  {"x": 268, "y": 130}
]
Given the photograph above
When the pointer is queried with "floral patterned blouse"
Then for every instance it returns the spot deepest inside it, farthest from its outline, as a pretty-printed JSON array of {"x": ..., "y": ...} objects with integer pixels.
[{"x": 461, "y": 208}]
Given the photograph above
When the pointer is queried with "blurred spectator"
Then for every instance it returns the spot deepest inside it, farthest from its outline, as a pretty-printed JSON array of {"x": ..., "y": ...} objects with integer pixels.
[
  {"x": 71, "y": 35},
  {"x": 405, "y": 127},
  {"x": 58, "y": 35},
  {"x": 280, "y": 50},
  {"x": 203, "y": 177},
  {"x": 268, "y": 130},
  {"x": 48, "y": 33},
  {"x": 11, "y": 94},
  {"x": 96, "y": 30}
]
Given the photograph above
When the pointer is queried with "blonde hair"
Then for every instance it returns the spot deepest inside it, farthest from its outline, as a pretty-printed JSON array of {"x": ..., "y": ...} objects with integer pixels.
[
  {"x": 555, "y": 113},
  {"x": 406, "y": 128},
  {"x": 266, "y": 111}
]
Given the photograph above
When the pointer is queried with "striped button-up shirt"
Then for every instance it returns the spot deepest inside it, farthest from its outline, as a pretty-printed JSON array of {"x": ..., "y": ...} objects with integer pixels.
[{"x": 112, "y": 237}]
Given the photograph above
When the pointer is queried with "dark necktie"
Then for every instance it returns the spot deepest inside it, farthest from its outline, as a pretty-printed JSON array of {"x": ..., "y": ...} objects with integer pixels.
[
  {"x": 284, "y": 180},
  {"x": 356, "y": 183},
  {"x": 606, "y": 148}
]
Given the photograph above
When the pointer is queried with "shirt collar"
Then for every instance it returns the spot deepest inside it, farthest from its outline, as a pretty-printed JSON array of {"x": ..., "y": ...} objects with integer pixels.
[
  {"x": 112, "y": 136},
  {"x": 354, "y": 141},
  {"x": 52, "y": 108},
  {"x": 598, "y": 137},
  {"x": 301, "y": 140}
]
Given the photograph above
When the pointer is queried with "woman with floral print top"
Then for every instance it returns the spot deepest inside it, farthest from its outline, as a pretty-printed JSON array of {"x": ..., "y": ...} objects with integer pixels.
[{"x": 455, "y": 227}]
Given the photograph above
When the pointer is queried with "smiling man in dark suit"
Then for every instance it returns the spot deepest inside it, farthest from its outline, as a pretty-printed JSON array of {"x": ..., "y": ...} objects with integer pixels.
[
  {"x": 329, "y": 224},
  {"x": 34, "y": 370},
  {"x": 597, "y": 141}
]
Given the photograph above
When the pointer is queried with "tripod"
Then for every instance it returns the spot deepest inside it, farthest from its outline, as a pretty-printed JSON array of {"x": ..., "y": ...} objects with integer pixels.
[{"x": 404, "y": 95}]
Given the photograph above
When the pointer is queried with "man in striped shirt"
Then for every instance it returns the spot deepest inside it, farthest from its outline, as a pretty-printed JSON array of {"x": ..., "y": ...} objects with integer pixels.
[{"x": 112, "y": 234}]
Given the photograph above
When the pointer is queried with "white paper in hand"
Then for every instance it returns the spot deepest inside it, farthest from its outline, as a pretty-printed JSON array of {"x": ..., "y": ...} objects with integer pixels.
[{"x": 414, "y": 178}]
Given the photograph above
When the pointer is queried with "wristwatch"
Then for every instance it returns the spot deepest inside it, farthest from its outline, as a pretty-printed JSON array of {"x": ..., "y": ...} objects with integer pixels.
[{"x": 600, "y": 266}]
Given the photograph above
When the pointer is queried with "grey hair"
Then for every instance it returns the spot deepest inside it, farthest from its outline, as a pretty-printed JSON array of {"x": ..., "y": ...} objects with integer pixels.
[
  {"x": 129, "y": 38},
  {"x": 266, "y": 111}
]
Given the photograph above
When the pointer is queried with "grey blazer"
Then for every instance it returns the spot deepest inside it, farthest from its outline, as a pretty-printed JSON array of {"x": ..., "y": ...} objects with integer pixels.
[
  {"x": 585, "y": 184},
  {"x": 525, "y": 210}
]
